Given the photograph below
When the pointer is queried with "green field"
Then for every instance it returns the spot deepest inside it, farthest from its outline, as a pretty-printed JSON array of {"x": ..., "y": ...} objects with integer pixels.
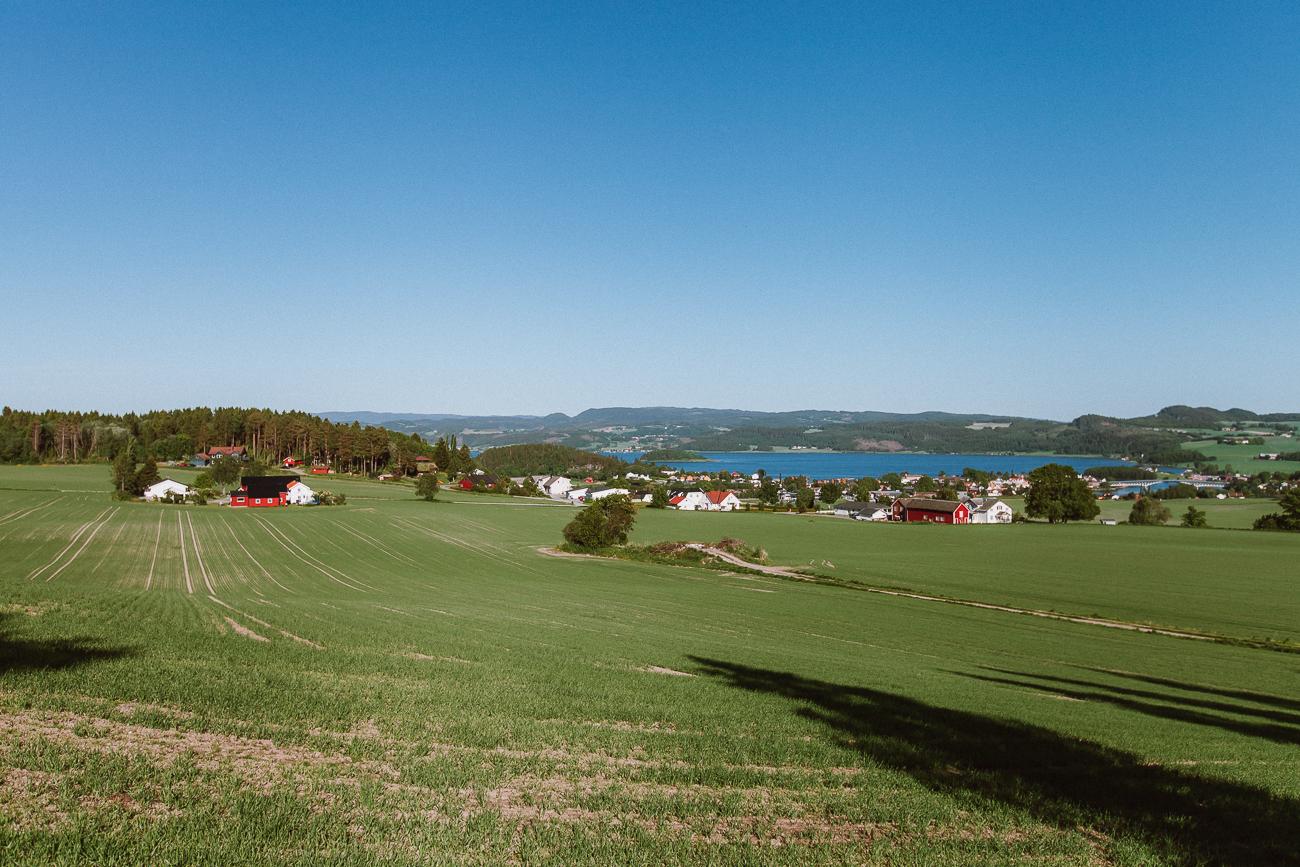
[
  {"x": 394, "y": 681},
  {"x": 1245, "y": 459}
]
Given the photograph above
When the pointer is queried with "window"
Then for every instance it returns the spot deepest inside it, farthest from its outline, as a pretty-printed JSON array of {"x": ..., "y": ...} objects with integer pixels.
[{"x": 258, "y": 501}]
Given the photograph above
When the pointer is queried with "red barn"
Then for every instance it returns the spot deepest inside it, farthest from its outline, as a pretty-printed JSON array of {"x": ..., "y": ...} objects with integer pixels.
[
  {"x": 320, "y": 471},
  {"x": 258, "y": 492},
  {"x": 924, "y": 510}
]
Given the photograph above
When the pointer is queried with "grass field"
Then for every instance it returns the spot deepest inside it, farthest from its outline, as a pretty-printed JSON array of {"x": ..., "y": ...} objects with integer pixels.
[
  {"x": 394, "y": 681},
  {"x": 1245, "y": 459}
]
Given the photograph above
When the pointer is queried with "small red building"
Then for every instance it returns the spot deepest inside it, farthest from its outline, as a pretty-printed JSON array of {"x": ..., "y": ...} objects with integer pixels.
[
  {"x": 320, "y": 471},
  {"x": 925, "y": 510},
  {"x": 478, "y": 481}
]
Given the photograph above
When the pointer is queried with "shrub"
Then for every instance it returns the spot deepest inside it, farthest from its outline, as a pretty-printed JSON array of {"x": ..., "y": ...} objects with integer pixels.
[{"x": 601, "y": 524}]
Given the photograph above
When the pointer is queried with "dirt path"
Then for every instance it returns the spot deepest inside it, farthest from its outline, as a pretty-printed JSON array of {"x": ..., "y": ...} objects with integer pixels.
[
  {"x": 1010, "y": 609},
  {"x": 782, "y": 572}
]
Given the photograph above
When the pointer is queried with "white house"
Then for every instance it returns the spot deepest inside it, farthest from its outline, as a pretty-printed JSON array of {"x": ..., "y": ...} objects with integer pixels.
[
  {"x": 722, "y": 501},
  {"x": 690, "y": 501},
  {"x": 607, "y": 492},
  {"x": 990, "y": 512},
  {"x": 158, "y": 490},
  {"x": 300, "y": 495},
  {"x": 860, "y": 511},
  {"x": 577, "y": 495},
  {"x": 556, "y": 487}
]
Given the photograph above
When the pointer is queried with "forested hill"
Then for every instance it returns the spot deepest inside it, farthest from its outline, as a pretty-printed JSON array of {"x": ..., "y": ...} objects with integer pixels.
[
  {"x": 51, "y": 435},
  {"x": 545, "y": 459}
]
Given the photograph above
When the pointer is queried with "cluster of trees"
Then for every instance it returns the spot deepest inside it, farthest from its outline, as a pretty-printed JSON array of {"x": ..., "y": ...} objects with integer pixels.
[
  {"x": 270, "y": 435},
  {"x": 1057, "y": 493},
  {"x": 547, "y": 459},
  {"x": 1288, "y": 518},
  {"x": 130, "y": 478},
  {"x": 601, "y": 524},
  {"x": 1121, "y": 473}
]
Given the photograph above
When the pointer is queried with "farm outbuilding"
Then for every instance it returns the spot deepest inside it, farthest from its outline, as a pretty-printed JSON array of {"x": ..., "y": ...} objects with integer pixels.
[
  {"x": 263, "y": 491},
  {"x": 159, "y": 490},
  {"x": 930, "y": 511}
]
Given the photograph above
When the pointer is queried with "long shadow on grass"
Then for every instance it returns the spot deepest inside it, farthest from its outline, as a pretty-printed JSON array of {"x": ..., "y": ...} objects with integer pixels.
[
  {"x": 1174, "y": 707},
  {"x": 1222, "y": 692},
  {"x": 1070, "y": 783},
  {"x": 23, "y": 654}
]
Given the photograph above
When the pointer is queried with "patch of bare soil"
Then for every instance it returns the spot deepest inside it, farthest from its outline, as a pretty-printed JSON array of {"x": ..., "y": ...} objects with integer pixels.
[
  {"x": 866, "y": 445},
  {"x": 240, "y": 629},
  {"x": 659, "y": 669}
]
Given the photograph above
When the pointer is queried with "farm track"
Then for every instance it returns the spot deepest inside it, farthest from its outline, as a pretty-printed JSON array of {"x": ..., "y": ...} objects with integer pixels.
[{"x": 905, "y": 594}]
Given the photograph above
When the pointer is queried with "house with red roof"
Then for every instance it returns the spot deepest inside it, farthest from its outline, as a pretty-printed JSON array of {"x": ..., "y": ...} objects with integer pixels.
[{"x": 722, "y": 501}]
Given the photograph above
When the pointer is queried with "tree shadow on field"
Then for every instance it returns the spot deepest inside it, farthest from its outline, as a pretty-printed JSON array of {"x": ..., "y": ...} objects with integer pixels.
[
  {"x": 23, "y": 654},
  {"x": 1222, "y": 692},
  {"x": 1069, "y": 783},
  {"x": 1282, "y": 727}
]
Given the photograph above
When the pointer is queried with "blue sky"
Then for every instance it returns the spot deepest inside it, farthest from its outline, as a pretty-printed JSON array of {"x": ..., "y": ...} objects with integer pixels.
[{"x": 1031, "y": 208}]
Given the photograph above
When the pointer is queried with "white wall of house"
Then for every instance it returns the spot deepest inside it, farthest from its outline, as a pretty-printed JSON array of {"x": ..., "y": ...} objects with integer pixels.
[
  {"x": 301, "y": 495},
  {"x": 558, "y": 488},
  {"x": 608, "y": 492},
  {"x": 998, "y": 513},
  {"x": 695, "y": 501},
  {"x": 729, "y": 504}
]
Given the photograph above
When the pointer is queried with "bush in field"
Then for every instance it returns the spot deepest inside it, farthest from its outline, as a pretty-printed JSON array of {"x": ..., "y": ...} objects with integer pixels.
[
  {"x": 601, "y": 524},
  {"x": 330, "y": 498},
  {"x": 1058, "y": 494},
  {"x": 426, "y": 487},
  {"x": 1194, "y": 517},
  {"x": 1148, "y": 511}
]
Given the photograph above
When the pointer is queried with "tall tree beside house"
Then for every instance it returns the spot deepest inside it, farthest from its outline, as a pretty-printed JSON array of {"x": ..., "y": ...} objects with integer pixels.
[
  {"x": 225, "y": 471},
  {"x": 147, "y": 474},
  {"x": 864, "y": 487},
  {"x": 442, "y": 455},
  {"x": 426, "y": 487},
  {"x": 831, "y": 492},
  {"x": 1148, "y": 511},
  {"x": 659, "y": 497},
  {"x": 124, "y": 470},
  {"x": 768, "y": 492},
  {"x": 804, "y": 499},
  {"x": 1058, "y": 494}
]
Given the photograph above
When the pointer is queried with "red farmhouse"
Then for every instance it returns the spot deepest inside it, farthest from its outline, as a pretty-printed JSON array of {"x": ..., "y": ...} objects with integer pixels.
[
  {"x": 262, "y": 491},
  {"x": 921, "y": 509}
]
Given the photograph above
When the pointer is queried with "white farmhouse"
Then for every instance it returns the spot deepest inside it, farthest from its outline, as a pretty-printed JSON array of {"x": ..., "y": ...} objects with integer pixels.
[
  {"x": 690, "y": 501},
  {"x": 722, "y": 501},
  {"x": 300, "y": 495},
  {"x": 990, "y": 512},
  {"x": 577, "y": 495},
  {"x": 555, "y": 487},
  {"x": 159, "y": 490}
]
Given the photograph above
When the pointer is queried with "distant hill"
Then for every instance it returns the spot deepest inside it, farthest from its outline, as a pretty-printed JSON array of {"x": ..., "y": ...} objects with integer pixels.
[
  {"x": 647, "y": 428},
  {"x": 544, "y": 459}
]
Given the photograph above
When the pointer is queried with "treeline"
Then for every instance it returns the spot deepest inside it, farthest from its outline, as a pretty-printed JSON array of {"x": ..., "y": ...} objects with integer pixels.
[
  {"x": 1121, "y": 474},
  {"x": 269, "y": 435},
  {"x": 1085, "y": 435},
  {"x": 546, "y": 459}
]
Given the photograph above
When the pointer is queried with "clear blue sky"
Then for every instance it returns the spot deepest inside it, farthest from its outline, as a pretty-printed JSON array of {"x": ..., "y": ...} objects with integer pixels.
[{"x": 1037, "y": 208}]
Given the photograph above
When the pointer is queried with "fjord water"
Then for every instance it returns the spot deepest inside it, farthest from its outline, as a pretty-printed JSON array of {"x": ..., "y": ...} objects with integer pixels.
[{"x": 834, "y": 465}]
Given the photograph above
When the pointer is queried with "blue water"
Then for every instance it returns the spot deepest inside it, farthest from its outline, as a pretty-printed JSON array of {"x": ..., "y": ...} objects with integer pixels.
[{"x": 836, "y": 465}]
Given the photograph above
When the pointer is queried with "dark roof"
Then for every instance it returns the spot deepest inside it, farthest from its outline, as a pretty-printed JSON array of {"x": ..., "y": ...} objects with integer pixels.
[
  {"x": 924, "y": 504},
  {"x": 859, "y": 506},
  {"x": 266, "y": 486}
]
